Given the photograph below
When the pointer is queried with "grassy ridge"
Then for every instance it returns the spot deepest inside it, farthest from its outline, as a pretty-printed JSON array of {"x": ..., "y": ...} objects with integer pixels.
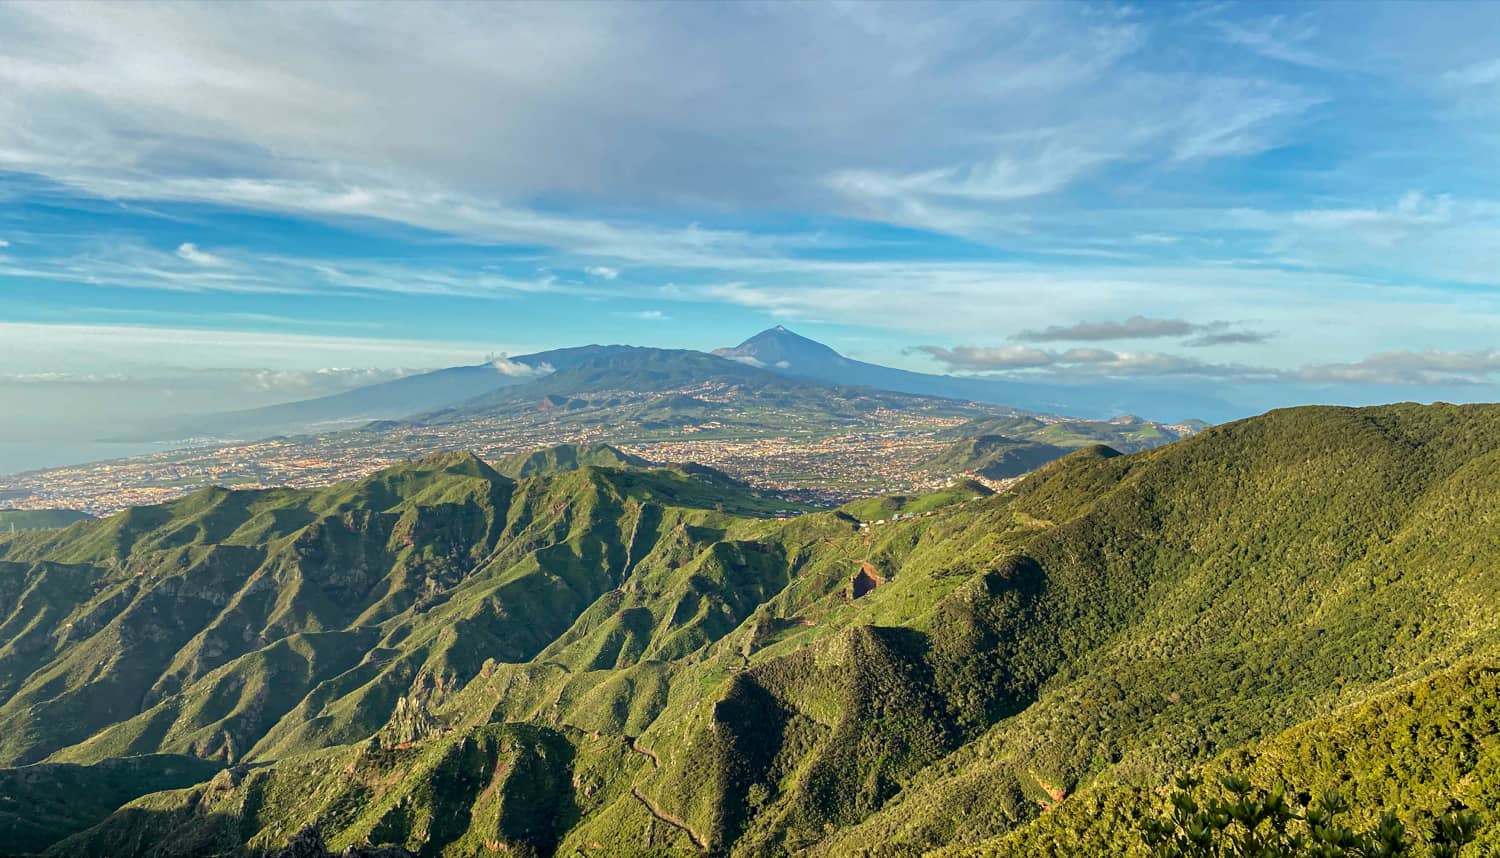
[
  {"x": 39, "y": 519},
  {"x": 1309, "y": 592}
]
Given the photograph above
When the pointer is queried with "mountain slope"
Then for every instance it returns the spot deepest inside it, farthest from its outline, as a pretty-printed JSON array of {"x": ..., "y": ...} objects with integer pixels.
[
  {"x": 39, "y": 519},
  {"x": 663, "y": 388},
  {"x": 42, "y": 804},
  {"x": 602, "y": 661},
  {"x": 996, "y": 457},
  {"x": 386, "y": 400},
  {"x": 780, "y": 350},
  {"x": 567, "y": 457}
]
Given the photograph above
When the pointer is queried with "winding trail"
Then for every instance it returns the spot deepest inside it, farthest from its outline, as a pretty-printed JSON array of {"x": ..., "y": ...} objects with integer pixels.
[
  {"x": 671, "y": 820},
  {"x": 645, "y": 752}
]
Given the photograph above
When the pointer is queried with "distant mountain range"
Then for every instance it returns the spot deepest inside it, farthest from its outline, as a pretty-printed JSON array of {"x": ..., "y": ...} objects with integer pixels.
[
  {"x": 780, "y": 350},
  {"x": 771, "y": 353},
  {"x": 383, "y": 401},
  {"x": 622, "y": 383}
]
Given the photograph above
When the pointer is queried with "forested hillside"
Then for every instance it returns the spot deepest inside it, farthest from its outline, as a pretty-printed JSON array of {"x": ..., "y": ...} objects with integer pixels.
[{"x": 621, "y": 660}]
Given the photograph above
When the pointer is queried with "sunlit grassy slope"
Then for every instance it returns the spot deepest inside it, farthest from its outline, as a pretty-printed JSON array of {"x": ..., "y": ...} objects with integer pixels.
[{"x": 626, "y": 661}]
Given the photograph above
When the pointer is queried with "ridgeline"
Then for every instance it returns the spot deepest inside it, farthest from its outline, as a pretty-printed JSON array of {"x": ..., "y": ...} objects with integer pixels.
[{"x": 458, "y": 662}]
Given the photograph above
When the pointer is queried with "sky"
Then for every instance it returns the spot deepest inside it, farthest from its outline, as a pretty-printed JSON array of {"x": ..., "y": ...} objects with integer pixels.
[{"x": 204, "y": 205}]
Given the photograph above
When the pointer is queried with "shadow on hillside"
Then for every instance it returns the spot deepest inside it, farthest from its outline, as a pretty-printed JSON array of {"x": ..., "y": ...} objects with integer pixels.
[{"x": 140, "y": 833}]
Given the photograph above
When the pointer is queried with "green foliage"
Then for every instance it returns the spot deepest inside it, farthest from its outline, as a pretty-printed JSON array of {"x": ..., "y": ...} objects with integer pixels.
[
  {"x": 39, "y": 519},
  {"x": 41, "y": 804},
  {"x": 567, "y": 457},
  {"x": 637, "y": 661},
  {"x": 995, "y": 456},
  {"x": 874, "y": 509},
  {"x": 1244, "y": 821}
]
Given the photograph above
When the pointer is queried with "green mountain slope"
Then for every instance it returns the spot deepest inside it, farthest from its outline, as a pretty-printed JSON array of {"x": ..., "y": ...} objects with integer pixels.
[
  {"x": 625, "y": 661},
  {"x": 39, "y": 519},
  {"x": 567, "y": 457},
  {"x": 42, "y": 804},
  {"x": 996, "y": 457}
]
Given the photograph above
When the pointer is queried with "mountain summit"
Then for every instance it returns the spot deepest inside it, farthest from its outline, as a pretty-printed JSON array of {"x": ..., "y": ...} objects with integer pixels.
[{"x": 782, "y": 349}]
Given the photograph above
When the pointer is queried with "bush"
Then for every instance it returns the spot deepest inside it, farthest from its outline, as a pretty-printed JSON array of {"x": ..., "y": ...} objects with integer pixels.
[{"x": 1247, "y": 822}]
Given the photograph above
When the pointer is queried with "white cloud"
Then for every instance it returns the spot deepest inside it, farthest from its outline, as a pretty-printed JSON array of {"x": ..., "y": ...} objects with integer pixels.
[
  {"x": 506, "y": 366},
  {"x": 1138, "y": 327},
  {"x": 1429, "y": 366},
  {"x": 991, "y": 358},
  {"x": 1135, "y": 327},
  {"x": 190, "y": 252},
  {"x": 1155, "y": 238},
  {"x": 1081, "y": 362},
  {"x": 644, "y": 315},
  {"x": 290, "y": 108},
  {"x": 602, "y": 272},
  {"x": 4, "y": 243}
]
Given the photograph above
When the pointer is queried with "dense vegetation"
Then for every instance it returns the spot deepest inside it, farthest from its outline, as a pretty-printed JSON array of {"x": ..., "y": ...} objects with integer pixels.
[
  {"x": 1268, "y": 823},
  {"x": 622, "y": 661}
]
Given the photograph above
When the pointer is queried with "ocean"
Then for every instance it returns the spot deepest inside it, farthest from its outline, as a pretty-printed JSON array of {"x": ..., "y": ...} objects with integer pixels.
[{"x": 18, "y": 456}]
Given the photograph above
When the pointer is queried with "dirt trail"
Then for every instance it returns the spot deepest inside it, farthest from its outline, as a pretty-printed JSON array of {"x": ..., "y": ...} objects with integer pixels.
[
  {"x": 671, "y": 820},
  {"x": 645, "y": 752}
]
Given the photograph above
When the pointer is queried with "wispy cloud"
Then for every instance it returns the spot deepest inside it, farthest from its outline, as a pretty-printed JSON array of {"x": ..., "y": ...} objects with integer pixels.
[
  {"x": 1133, "y": 328},
  {"x": 644, "y": 315},
  {"x": 1430, "y": 366},
  {"x": 1082, "y": 362},
  {"x": 1392, "y": 368},
  {"x": 190, "y": 252},
  {"x": 1215, "y": 333},
  {"x": 1482, "y": 73},
  {"x": 1278, "y": 37},
  {"x": 1041, "y": 164},
  {"x": 155, "y": 349}
]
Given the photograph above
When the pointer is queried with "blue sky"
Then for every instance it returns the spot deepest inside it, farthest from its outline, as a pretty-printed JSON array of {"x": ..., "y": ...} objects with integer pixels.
[{"x": 263, "y": 202}]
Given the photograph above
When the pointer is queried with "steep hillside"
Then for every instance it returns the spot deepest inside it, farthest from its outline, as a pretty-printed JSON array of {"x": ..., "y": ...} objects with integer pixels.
[
  {"x": 633, "y": 662},
  {"x": 567, "y": 457},
  {"x": 42, "y": 804},
  {"x": 995, "y": 457}
]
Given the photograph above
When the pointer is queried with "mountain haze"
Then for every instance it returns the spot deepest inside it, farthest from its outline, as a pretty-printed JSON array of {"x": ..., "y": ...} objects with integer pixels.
[
  {"x": 386, "y": 400},
  {"x": 777, "y": 351},
  {"x": 780, "y": 350}
]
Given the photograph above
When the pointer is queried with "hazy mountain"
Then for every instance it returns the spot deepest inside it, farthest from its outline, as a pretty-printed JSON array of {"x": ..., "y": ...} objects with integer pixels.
[
  {"x": 634, "y": 661},
  {"x": 383, "y": 401},
  {"x": 783, "y": 351},
  {"x": 775, "y": 353},
  {"x": 635, "y": 385}
]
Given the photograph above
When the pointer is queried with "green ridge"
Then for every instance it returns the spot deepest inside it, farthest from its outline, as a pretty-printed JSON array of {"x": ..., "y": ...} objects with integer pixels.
[{"x": 624, "y": 661}]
